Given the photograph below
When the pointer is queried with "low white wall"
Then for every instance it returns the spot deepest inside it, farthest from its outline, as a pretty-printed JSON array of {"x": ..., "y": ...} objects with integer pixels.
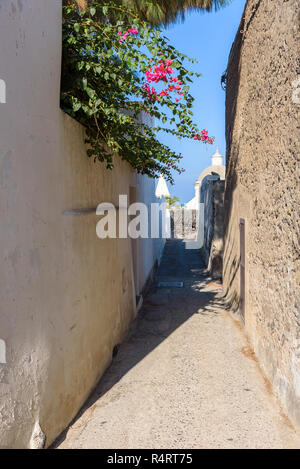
[
  {"x": 150, "y": 250},
  {"x": 66, "y": 296}
]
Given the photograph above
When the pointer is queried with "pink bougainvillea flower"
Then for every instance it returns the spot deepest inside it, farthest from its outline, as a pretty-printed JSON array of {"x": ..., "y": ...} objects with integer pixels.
[
  {"x": 169, "y": 70},
  {"x": 203, "y": 137},
  {"x": 124, "y": 36},
  {"x": 163, "y": 93},
  {"x": 159, "y": 73},
  {"x": 130, "y": 31},
  {"x": 150, "y": 93}
]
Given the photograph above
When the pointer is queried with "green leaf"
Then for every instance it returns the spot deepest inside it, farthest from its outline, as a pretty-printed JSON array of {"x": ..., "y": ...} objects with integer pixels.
[
  {"x": 100, "y": 77},
  {"x": 76, "y": 106},
  {"x": 84, "y": 83},
  {"x": 90, "y": 92}
]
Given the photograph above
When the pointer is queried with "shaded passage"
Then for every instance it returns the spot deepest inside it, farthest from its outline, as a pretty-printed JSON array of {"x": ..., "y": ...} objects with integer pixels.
[{"x": 184, "y": 378}]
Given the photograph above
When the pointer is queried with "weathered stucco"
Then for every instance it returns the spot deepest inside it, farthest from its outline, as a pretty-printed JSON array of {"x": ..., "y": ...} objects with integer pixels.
[
  {"x": 67, "y": 297},
  {"x": 262, "y": 188}
]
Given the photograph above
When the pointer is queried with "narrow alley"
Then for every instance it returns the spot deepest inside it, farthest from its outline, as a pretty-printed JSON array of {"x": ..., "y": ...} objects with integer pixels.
[{"x": 185, "y": 377}]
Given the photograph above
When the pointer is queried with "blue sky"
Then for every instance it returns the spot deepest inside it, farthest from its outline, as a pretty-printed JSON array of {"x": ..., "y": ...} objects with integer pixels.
[{"x": 207, "y": 37}]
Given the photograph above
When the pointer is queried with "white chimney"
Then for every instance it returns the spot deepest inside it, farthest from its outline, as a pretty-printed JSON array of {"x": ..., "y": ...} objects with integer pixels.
[{"x": 217, "y": 159}]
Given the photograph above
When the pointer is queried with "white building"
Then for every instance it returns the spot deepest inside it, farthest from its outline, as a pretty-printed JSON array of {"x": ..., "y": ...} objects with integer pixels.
[
  {"x": 162, "y": 188},
  {"x": 215, "y": 171}
]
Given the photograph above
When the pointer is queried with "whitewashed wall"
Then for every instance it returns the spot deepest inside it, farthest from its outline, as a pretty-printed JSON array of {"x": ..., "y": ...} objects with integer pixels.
[{"x": 66, "y": 297}]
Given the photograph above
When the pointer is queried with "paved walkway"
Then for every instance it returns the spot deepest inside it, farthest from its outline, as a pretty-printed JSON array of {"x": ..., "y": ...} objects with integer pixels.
[{"x": 184, "y": 378}]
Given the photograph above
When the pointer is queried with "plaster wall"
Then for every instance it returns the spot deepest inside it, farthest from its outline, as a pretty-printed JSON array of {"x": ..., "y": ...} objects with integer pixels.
[{"x": 66, "y": 297}]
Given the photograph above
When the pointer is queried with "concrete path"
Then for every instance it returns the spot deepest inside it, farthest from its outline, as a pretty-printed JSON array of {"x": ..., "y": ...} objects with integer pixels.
[{"x": 184, "y": 378}]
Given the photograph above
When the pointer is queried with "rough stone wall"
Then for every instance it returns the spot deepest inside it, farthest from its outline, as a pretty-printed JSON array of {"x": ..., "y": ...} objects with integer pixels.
[
  {"x": 208, "y": 222},
  {"x": 215, "y": 264},
  {"x": 212, "y": 194},
  {"x": 262, "y": 187}
]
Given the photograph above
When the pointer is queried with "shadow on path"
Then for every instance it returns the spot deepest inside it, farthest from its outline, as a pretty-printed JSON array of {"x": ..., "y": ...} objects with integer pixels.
[{"x": 164, "y": 310}]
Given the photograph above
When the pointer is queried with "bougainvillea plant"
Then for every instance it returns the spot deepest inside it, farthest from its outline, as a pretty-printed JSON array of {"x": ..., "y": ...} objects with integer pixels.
[{"x": 117, "y": 68}]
